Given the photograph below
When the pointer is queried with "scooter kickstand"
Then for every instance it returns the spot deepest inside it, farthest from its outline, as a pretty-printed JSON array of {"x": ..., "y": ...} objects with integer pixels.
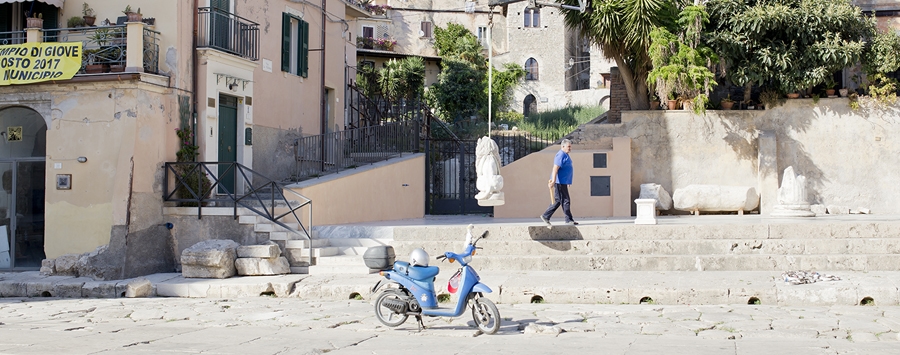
[{"x": 421, "y": 324}]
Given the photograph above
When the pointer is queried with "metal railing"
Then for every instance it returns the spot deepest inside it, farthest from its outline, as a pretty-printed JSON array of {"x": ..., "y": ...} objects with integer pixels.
[
  {"x": 334, "y": 152},
  {"x": 12, "y": 37},
  {"x": 228, "y": 32},
  {"x": 199, "y": 183},
  {"x": 151, "y": 51}
]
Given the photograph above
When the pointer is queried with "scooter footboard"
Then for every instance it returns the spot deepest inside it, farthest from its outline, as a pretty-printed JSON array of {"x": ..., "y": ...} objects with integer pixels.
[{"x": 480, "y": 287}]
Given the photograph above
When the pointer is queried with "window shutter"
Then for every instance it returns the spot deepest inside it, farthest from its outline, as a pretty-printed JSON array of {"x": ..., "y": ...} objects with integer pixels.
[
  {"x": 6, "y": 19},
  {"x": 285, "y": 42},
  {"x": 304, "y": 49}
]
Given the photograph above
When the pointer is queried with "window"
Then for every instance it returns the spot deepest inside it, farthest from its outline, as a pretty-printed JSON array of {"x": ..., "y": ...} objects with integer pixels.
[
  {"x": 294, "y": 45},
  {"x": 482, "y": 36},
  {"x": 426, "y": 29},
  {"x": 533, "y": 17},
  {"x": 368, "y": 32},
  {"x": 531, "y": 69}
]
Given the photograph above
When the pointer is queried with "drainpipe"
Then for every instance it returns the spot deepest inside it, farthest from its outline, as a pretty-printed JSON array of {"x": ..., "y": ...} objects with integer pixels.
[
  {"x": 195, "y": 24},
  {"x": 322, "y": 94}
]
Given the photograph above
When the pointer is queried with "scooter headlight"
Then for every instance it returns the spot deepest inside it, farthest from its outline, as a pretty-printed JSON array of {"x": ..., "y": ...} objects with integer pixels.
[{"x": 451, "y": 260}]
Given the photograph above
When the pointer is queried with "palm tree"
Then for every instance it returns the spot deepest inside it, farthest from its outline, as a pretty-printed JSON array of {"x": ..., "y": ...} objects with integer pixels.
[{"x": 622, "y": 29}]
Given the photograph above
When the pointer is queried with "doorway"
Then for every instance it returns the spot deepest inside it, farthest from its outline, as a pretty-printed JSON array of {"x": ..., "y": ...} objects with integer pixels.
[
  {"x": 23, "y": 145},
  {"x": 227, "y": 143}
]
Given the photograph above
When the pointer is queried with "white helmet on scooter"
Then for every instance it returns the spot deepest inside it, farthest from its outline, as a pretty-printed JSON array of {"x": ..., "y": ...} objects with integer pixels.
[{"x": 418, "y": 257}]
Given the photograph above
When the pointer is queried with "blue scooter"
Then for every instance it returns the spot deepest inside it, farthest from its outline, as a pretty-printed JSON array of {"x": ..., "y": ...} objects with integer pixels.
[{"x": 414, "y": 293}]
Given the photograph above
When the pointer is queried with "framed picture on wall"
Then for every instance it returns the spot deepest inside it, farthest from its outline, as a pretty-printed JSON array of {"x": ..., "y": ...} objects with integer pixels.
[{"x": 63, "y": 181}]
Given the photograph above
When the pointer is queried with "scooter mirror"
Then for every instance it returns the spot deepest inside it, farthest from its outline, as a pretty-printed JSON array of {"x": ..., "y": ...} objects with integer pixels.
[{"x": 484, "y": 235}]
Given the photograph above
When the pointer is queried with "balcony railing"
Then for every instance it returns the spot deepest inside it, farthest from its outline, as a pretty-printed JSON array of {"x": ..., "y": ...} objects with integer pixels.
[
  {"x": 228, "y": 33},
  {"x": 104, "y": 48}
]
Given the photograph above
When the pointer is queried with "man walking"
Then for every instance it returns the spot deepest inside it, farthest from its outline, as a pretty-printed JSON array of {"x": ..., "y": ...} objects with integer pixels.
[{"x": 560, "y": 179}]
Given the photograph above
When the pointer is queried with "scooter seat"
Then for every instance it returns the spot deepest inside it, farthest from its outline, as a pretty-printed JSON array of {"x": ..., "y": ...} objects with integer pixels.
[{"x": 420, "y": 273}]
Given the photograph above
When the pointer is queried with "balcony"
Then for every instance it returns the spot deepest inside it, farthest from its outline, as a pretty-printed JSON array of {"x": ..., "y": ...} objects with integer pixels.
[
  {"x": 105, "y": 49},
  {"x": 228, "y": 33}
]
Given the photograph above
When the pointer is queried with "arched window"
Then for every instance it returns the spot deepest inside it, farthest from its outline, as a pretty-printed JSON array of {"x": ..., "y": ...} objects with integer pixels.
[
  {"x": 529, "y": 106},
  {"x": 531, "y": 69},
  {"x": 532, "y": 17}
]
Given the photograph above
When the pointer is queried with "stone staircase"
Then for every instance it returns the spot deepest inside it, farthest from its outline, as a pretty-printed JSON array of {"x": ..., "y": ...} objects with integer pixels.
[{"x": 838, "y": 246}]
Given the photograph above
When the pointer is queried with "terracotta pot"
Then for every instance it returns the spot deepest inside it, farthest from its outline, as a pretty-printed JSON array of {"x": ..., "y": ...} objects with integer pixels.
[
  {"x": 134, "y": 17},
  {"x": 654, "y": 105},
  {"x": 726, "y": 105},
  {"x": 829, "y": 92},
  {"x": 116, "y": 68},
  {"x": 793, "y": 95},
  {"x": 93, "y": 68},
  {"x": 89, "y": 20},
  {"x": 673, "y": 104},
  {"x": 34, "y": 22}
]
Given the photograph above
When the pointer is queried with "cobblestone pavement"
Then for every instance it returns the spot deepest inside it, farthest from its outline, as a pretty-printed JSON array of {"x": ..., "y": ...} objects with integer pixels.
[{"x": 268, "y": 325}]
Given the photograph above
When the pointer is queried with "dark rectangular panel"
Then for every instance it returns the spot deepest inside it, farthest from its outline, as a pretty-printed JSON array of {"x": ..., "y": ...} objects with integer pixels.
[
  {"x": 600, "y": 160},
  {"x": 600, "y": 186}
]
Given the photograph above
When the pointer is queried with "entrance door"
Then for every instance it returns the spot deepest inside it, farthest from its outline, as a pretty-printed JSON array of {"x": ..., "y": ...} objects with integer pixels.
[
  {"x": 227, "y": 142},
  {"x": 22, "y": 173}
]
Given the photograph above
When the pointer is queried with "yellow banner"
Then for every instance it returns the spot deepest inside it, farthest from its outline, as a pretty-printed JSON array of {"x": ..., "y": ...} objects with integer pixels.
[{"x": 37, "y": 62}]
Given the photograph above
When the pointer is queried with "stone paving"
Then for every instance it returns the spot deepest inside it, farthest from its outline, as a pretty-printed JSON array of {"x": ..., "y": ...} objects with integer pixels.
[{"x": 270, "y": 325}]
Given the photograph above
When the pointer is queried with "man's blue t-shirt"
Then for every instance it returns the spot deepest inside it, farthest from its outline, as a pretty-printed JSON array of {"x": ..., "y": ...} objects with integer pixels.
[{"x": 564, "y": 174}]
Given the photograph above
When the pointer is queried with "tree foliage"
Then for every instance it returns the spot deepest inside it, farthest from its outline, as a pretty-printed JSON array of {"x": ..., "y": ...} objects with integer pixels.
[
  {"x": 622, "y": 28},
  {"x": 786, "y": 45},
  {"x": 460, "y": 90}
]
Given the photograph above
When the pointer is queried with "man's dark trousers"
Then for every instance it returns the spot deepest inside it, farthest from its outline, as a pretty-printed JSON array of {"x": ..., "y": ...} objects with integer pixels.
[{"x": 561, "y": 195}]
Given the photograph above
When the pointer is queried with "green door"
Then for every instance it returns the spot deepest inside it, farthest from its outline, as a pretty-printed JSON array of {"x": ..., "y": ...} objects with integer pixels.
[
  {"x": 220, "y": 24},
  {"x": 227, "y": 142}
]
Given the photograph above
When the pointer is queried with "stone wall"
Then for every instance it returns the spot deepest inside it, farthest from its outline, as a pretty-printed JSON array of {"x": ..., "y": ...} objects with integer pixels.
[{"x": 848, "y": 157}]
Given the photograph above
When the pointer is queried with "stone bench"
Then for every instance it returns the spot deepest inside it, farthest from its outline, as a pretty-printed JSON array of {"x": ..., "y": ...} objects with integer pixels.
[{"x": 716, "y": 198}]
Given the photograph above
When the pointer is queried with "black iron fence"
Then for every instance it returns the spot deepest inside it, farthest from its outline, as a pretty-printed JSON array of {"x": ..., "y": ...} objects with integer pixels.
[
  {"x": 12, "y": 37},
  {"x": 228, "y": 32},
  {"x": 334, "y": 152},
  {"x": 198, "y": 184},
  {"x": 105, "y": 48}
]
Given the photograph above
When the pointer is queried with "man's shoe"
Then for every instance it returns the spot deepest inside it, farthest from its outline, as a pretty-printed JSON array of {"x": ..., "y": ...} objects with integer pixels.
[
  {"x": 571, "y": 223},
  {"x": 547, "y": 221}
]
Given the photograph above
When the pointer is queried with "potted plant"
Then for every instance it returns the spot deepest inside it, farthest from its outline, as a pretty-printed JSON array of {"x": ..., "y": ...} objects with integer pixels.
[
  {"x": 793, "y": 95},
  {"x": 132, "y": 15},
  {"x": 34, "y": 20},
  {"x": 89, "y": 16},
  {"x": 672, "y": 103},
  {"x": 74, "y": 22},
  {"x": 727, "y": 103},
  {"x": 843, "y": 91},
  {"x": 829, "y": 86},
  {"x": 91, "y": 62},
  {"x": 654, "y": 102}
]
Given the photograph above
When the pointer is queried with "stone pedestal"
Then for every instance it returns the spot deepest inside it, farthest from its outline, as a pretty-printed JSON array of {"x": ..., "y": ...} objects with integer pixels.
[
  {"x": 792, "y": 198},
  {"x": 646, "y": 211}
]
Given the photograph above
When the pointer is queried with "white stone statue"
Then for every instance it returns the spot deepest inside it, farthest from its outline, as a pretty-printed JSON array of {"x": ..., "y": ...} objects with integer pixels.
[
  {"x": 792, "y": 199},
  {"x": 487, "y": 167}
]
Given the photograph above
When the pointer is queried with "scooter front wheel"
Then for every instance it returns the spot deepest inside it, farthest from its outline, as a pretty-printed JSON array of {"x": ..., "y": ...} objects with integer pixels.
[
  {"x": 390, "y": 308},
  {"x": 486, "y": 315}
]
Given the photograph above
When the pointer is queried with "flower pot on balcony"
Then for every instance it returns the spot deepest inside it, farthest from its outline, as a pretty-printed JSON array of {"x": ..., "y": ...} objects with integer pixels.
[
  {"x": 829, "y": 92},
  {"x": 34, "y": 22},
  {"x": 134, "y": 17},
  {"x": 116, "y": 68},
  {"x": 727, "y": 105},
  {"x": 673, "y": 104},
  {"x": 89, "y": 20},
  {"x": 843, "y": 92},
  {"x": 793, "y": 95},
  {"x": 93, "y": 69},
  {"x": 654, "y": 105}
]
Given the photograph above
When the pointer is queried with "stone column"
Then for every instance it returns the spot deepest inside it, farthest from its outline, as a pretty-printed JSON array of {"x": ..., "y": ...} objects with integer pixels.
[
  {"x": 618, "y": 97},
  {"x": 134, "y": 61},
  {"x": 767, "y": 171},
  {"x": 34, "y": 35}
]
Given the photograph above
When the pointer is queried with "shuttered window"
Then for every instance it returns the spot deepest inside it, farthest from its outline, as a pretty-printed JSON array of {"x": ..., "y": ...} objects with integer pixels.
[{"x": 294, "y": 45}]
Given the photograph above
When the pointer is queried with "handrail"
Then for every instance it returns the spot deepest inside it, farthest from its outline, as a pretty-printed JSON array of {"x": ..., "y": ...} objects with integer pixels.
[
  {"x": 228, "y": 32},
  {"x": 249, "y": 186}
]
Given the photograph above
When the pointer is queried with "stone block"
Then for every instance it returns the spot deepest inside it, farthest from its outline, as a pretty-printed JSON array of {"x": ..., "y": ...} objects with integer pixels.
[
  {"x": 259, "y": 251},
  {"x": 658, "y": 193},
  {"x": 835, "y": 209},
  {"x": 139, "y": 288},
  {"x": 48, "y": 267},
  {"x": 12, "y": 288},
  {"x": 209, "y": 259},
  {"x": 716, "y": 198},
  {"x": 66, "y": 265},
  {"x": 99, "y": 289},
  {"x": 262, "y": 266},
  {"x": 819, "y": 210}
]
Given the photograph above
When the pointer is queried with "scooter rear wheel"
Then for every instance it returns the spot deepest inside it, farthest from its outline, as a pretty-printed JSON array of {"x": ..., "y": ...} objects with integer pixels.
[
  {"x": 486, "y": 315},
  {"x": 386, "y": 315}
]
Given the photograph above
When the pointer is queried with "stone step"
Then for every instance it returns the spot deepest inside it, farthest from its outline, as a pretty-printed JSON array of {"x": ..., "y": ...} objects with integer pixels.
[
  {"x": 304, "y": 244},
  {"x": 320, "y": 252},
  {"x": 340, "y": 260},
  {"x": 882, "y": 262},
  {"x": 340, "y": 269},
  {"x": 351, "y": 250},
  {"x": 358, "y": 242},
  {"x": 842, "y": 246},
  {"x": 629, "y": 231}
]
